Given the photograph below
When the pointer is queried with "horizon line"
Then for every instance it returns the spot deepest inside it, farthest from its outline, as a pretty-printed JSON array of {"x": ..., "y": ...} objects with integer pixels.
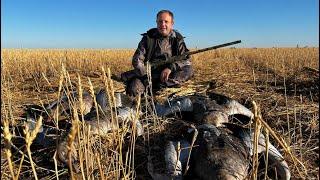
[{"x": 43, "y": 48}]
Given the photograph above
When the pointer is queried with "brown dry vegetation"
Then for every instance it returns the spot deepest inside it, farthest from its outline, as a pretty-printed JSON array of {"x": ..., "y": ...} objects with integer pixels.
[{"x": 284, "y": 82}]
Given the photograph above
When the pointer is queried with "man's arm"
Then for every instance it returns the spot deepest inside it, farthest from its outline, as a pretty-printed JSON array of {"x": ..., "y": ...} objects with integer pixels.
[
  {"x": 182, "y": 48},
  {"x": 139, "y": 57}
]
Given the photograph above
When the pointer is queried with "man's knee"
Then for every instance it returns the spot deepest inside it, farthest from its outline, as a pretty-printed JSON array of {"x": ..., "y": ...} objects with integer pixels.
[{"x": 135, "y": 87}]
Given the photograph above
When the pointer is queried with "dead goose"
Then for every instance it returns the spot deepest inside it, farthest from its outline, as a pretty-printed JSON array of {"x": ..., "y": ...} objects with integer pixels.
[
  {"x": 62, "y": 106},
  {"x": 124, "y": 106},
  {"x": 213, "y": 109},
  {"x": 125, "y": 110},
  {"x": 217, "y": 156},
  {"x": 275, "y": 157},
  {"x": 105, "y": 124},
  {"x": 219, "y": 153},
  {"x": 66, "y": 102}
]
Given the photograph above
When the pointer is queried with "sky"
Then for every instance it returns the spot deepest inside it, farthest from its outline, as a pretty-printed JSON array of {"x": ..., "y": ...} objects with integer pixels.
[{"x": 98, "y": 24}]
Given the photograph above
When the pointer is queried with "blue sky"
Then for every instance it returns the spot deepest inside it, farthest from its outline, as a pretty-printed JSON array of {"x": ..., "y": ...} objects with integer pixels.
[{"x": 118, "y": 24}]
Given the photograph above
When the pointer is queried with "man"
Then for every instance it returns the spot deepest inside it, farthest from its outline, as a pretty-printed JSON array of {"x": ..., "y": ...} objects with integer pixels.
[{"x": 159, "y": 43}]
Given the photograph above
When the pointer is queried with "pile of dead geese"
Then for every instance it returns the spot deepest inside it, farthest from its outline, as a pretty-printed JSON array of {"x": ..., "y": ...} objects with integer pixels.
[{"x": 221, "y": 149}]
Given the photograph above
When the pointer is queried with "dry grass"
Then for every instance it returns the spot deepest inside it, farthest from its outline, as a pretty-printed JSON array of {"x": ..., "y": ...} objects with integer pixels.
[{"x": 282, "y": 81}]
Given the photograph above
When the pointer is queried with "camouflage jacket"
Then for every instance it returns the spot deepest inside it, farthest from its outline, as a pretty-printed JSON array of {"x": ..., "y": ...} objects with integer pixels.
[{"x": 171, "y": 45}]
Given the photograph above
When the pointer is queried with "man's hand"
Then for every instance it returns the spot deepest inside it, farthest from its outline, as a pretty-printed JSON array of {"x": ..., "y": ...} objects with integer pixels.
[{"x": 165, "y": 75}]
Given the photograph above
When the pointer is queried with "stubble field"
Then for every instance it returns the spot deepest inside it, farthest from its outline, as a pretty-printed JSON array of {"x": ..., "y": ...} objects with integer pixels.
[{"x": 284, "y": 83}]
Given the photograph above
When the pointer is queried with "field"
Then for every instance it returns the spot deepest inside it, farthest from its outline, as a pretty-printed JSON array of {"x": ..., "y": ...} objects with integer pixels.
[{"x": 284, "y": 83}]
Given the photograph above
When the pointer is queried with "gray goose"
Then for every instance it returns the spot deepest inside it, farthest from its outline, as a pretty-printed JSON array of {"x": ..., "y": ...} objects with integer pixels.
[
  {"x": 218, "y": 153},
  {"x": 212, "y": 109},
  {"x": 124, "y": 106},
  {"x": 224, "y": 149}
]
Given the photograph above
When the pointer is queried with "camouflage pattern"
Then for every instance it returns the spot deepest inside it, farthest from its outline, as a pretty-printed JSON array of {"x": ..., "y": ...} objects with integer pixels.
[
  {"x": 163, "y": 48},
  {"x": 180, "y": 71}
]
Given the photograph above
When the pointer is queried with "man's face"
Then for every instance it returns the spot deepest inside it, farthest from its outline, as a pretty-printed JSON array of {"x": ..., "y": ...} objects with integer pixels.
[{"x": 164, "y": 24}]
